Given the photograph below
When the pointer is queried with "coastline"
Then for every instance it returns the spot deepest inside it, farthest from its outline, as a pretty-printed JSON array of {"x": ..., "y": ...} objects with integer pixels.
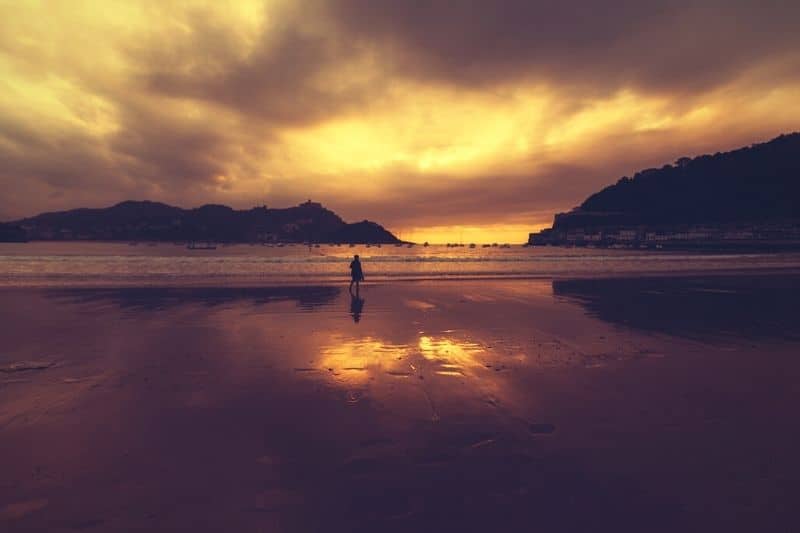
[
  {"x": 311, "y": 281},
  {"x": 108, "y": 265}
]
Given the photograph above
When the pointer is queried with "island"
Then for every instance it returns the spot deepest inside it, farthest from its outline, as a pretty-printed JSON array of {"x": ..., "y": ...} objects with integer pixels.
[
  {"x": 154, "y": 221},
  {"x": 747, "y": 198}
]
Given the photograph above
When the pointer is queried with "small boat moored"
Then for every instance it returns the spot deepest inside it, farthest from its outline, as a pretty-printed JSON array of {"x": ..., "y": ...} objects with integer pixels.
[{"x": 200, "y": 246}]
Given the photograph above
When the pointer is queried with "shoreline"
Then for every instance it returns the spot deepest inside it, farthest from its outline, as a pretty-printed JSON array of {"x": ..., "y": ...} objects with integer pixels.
[
  {"x": 764, "y": 246},
  {"x": 312, "y": 281}
]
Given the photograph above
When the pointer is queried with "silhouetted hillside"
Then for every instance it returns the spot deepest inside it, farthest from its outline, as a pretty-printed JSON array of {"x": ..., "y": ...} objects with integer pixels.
[
  {"x": 754, "y": 184},
  {"x": 362, "y": 232},
  {"x": 744, "y": 199},
  {"x": 11, "y": 233},
  {"x": 134, "y": 220}
]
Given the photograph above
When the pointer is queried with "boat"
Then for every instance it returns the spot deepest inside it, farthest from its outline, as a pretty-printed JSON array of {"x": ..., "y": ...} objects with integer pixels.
[{"x": 201, "y": 246}]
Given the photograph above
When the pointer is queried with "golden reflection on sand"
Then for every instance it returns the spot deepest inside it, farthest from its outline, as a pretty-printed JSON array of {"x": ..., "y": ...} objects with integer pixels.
[
  {"x": 354, "y": 360},
  {"x": 451, "y": 357}
]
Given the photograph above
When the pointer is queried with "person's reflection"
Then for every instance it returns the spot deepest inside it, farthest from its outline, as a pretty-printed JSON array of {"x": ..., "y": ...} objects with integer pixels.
[{"x": 356, "y": 306}]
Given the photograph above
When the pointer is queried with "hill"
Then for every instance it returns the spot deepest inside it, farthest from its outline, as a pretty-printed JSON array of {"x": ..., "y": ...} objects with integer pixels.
[
  {"x": 753, "y": 184},
  {"x": 11, "y": 233},
  {"x": 154, "y": 221},
  {"x": 755, "y": 189},
  {"x": 362, "y": 232}
]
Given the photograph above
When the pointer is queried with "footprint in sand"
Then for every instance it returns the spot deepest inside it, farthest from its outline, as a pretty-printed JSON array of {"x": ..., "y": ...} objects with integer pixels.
[{"x": 353, "y": 396}]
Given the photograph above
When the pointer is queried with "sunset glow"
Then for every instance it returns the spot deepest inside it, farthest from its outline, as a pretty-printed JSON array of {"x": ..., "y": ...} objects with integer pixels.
[{"x": 469, "y": 128}]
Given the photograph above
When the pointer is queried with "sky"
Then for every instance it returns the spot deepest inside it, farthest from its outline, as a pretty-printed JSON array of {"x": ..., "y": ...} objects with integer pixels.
[{"x": 445, "y": 120}]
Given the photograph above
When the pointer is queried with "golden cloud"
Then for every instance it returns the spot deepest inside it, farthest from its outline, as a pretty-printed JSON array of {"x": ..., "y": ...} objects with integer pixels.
[{"x": 433, "y": 120}]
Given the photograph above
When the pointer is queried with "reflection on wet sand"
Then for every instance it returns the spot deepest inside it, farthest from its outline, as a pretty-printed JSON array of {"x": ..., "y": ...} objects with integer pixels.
[
  {"x": 495, "y": 406},
  {"x": 355, "y": 360},
  {"x": 356, "y": 306},
  {"x": 307, "y": 298},
  {"x": 451, "y": 357},
  {"x": 358, "y": 360},
  {"x": 433, "y": 370},
  {"x": 756, "y": 307}
]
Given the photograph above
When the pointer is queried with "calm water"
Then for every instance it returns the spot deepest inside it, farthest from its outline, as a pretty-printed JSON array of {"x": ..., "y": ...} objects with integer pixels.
[{"x": 73, "y": 263}]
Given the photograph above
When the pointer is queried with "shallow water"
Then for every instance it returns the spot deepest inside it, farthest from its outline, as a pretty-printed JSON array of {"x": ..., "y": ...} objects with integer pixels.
[{"x": 120, "y": 264}]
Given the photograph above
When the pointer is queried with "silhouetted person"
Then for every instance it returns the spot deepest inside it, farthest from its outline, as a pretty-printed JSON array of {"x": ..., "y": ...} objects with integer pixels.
[
  {"x": 356, "y": 306},
  {"x": 356, "y": 274}
]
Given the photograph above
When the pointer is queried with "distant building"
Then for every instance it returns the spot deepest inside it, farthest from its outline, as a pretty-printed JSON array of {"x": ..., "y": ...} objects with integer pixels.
[{"x": 706, "y": 235}]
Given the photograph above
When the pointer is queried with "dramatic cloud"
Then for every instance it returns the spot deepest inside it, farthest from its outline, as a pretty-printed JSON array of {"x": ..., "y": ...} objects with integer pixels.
[
  {"x": 603, "y": 46},
  {"x": 436, "y": 118}
]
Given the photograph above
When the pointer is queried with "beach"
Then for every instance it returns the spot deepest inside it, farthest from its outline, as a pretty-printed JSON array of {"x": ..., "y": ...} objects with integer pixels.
[
  {"x": 378, "y": 266},
  {"x": 627, "y": 403}
]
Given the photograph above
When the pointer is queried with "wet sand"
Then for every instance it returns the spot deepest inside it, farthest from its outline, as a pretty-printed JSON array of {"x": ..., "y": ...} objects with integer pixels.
[{"x": 645, "y": 404}]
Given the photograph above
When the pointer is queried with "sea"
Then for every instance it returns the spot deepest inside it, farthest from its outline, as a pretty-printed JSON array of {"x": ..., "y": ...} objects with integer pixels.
[{"x": 166, "y": 264}]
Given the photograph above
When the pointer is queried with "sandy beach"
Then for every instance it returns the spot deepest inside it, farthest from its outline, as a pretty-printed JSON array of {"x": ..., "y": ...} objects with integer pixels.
[
  {"x": 573, "y": 229},
  {"x": 635, "y": 404}
]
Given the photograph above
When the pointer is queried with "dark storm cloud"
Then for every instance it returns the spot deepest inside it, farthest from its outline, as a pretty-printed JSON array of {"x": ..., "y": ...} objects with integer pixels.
[
  {"x": 30, "y": 153},
  {"x": 279, "y": 80},
  {"x": 195, "y": 100},
  {"x": 661, "y": 46},
  {"x": 152, "y": 147},
  {"x": 153, "y": 154}
]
